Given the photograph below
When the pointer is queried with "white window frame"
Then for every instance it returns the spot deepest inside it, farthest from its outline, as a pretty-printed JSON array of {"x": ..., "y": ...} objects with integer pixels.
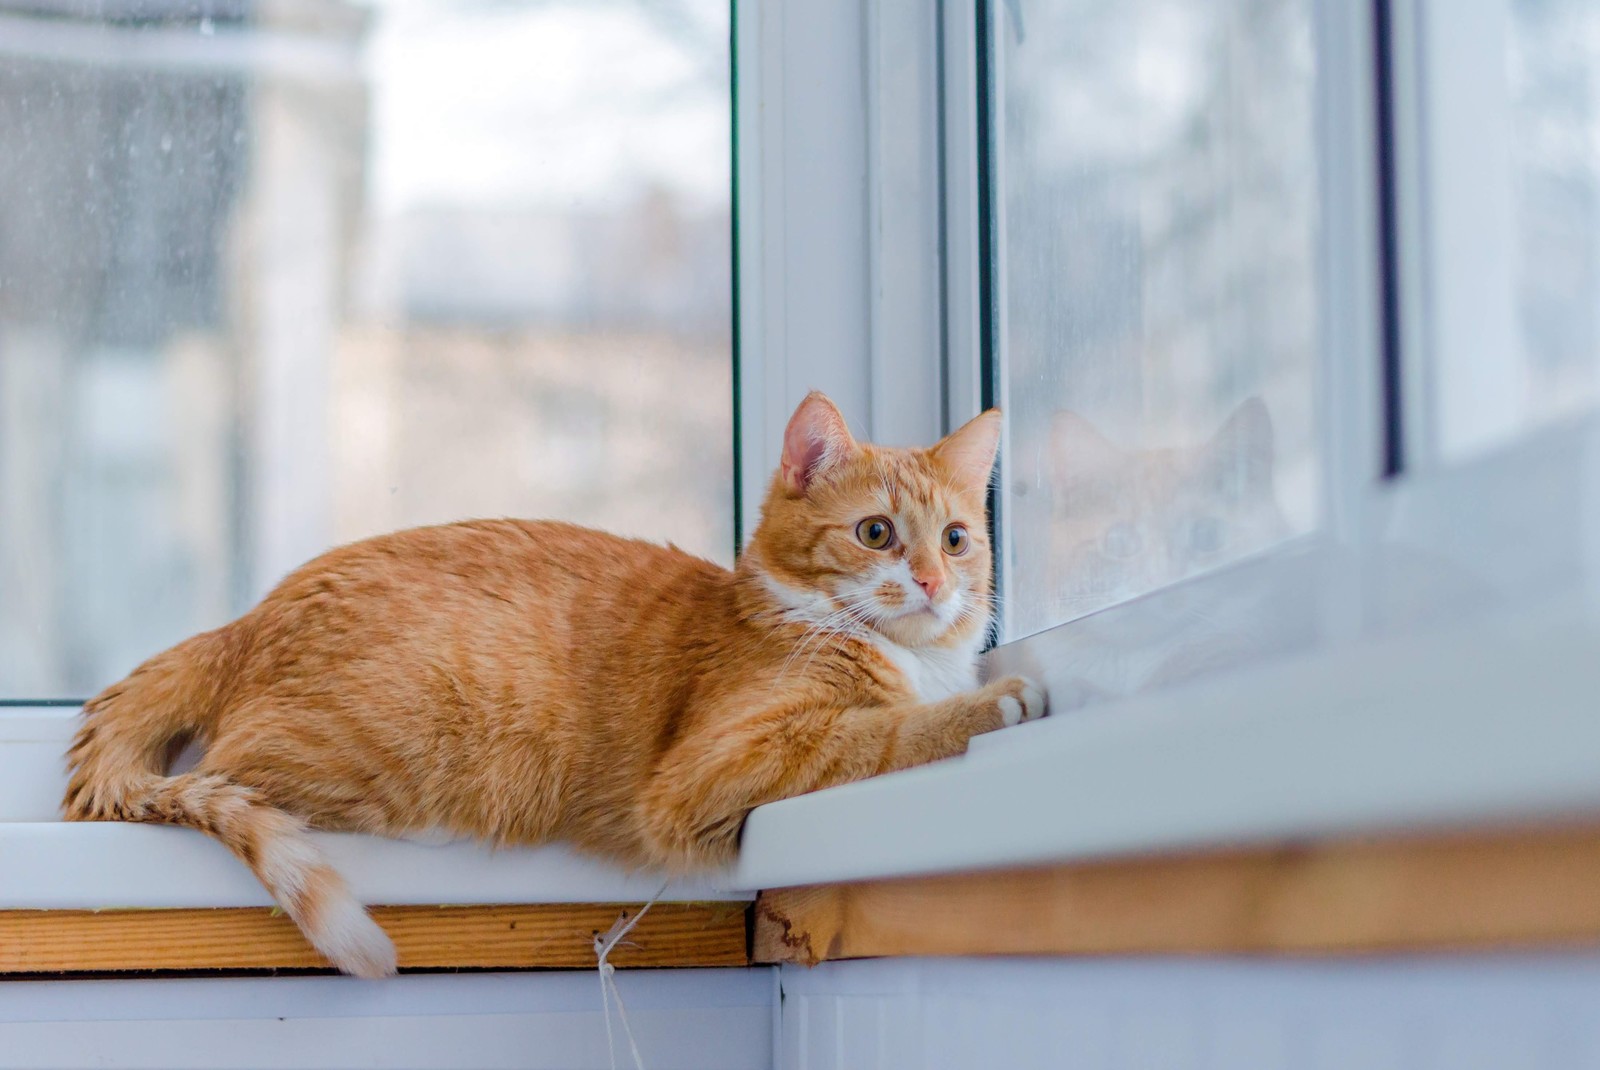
[
  {"x": 1441, "y": 668},
  {"x": 839, "y": 250}
]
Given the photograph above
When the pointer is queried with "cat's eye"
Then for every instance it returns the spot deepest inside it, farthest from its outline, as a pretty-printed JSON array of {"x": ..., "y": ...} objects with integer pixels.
[
  {"x": 875, "y": 532},
  {"x": 956, "y": 540}
]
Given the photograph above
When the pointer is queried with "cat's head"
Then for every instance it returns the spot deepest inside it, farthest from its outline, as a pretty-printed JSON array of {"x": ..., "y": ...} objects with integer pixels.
[
  {"x": 895, "y": 540},
  {"x": 1128, "y": 521}
]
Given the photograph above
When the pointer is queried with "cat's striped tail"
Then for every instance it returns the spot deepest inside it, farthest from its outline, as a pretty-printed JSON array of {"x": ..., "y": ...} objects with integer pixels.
[{"x": 118, "y": 767}]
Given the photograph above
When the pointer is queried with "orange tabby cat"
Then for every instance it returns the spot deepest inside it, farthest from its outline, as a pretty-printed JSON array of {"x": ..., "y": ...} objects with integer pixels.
[{"x": 526, "y": 682}]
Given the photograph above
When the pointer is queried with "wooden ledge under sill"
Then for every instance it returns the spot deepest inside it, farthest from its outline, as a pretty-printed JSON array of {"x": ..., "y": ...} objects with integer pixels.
[
  {"x": 1485, "y": 890},
  {"x": 542, "y": 935},
  {"x": 108, "y": 897}
]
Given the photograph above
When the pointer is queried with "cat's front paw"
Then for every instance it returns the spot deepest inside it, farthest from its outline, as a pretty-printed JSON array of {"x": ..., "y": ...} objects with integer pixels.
[{"x": 1023, "y": 700}]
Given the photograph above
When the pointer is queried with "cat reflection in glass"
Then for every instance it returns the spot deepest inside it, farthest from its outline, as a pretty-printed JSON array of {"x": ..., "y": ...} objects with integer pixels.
[{"x": 1127, "y": 522}]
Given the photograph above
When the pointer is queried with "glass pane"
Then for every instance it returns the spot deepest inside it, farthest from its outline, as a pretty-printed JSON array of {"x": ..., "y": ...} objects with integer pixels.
[
  {"x": 1514, "y": 206},
  {"x": 278, "y": 276},
  {"x": 1156, "y": 231}
]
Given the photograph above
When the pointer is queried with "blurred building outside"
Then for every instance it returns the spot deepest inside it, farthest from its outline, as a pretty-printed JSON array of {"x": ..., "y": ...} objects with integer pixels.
[{"x": 221, "y": 352}]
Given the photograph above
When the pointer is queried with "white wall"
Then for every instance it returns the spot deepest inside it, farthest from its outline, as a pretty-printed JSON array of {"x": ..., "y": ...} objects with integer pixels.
[
  {"x": 1422, "y": 1013},
  {"x": 683, "y": 1020},
  {"x": 1439, "y": 1013}
]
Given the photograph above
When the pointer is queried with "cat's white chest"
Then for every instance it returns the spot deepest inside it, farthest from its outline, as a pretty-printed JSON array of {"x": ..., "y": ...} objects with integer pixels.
[{"x": 933, "y": 674}]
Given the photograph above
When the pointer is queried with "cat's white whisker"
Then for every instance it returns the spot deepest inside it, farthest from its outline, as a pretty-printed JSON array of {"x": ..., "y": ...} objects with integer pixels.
[{"x": 816, "y": 636}]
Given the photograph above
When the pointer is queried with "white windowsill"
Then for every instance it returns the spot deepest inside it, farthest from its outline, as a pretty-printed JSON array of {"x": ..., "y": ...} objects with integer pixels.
[
  {"x": 1491, "y": 723},
  {"x": 62, "y": 865},
  {"x": 50, "y": 864}
]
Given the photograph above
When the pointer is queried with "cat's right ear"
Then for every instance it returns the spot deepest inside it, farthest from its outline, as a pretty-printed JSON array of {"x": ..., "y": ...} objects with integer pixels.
[
  {"x": 1078, "y": 450},
  {"x": 816, "y": 440},
  {"x": 968, "y": 452}
]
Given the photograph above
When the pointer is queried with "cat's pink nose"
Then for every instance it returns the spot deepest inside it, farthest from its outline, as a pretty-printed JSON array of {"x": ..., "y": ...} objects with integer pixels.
[{"x": 931, "y": 583}]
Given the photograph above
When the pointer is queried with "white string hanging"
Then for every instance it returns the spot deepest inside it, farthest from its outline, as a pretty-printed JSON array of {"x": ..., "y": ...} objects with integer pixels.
[{"x": 603, "y": 945}]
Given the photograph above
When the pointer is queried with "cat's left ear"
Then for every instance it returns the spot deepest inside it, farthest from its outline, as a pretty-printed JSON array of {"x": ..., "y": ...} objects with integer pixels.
[
  {"x": 1239, "y": 456},
  {"x": 968, "y": 451}
]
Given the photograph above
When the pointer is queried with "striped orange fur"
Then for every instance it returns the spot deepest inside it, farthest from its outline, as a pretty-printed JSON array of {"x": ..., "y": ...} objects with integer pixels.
[{"x": 525, "y": 681}]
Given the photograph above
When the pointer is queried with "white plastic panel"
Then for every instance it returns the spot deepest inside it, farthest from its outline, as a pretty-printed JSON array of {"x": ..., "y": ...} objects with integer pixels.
[
  {"x": 1166, "y": 1014},
  {"x": 33, "y": 745},
  {"x": 683, "y": 1019}
]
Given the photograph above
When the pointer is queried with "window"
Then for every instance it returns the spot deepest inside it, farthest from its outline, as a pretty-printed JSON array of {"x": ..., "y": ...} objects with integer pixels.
[
  {"x": 275, "y": 278},
  {"x": 1156, "y": 213},
  {"x": 1291, "y": 308},
  {"x": 1220, "y": 450},
  {"x": 1506, "y": 220}
]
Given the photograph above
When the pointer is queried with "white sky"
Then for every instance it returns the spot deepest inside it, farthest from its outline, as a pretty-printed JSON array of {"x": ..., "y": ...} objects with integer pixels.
[{"x": 549, "y": 102}]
